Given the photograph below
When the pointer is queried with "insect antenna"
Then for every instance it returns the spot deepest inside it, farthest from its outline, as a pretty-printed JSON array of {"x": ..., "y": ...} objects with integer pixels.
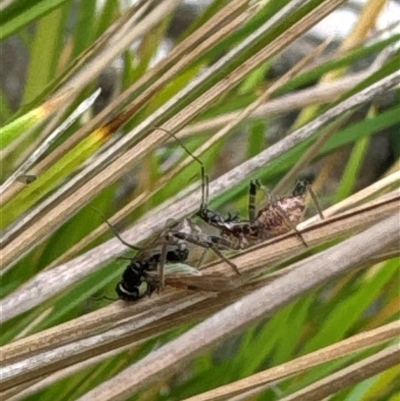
[
  {"x": 204, "y": 176},
  {"x": 203, "y": 207},
  {"x": 115, "y": 232}
]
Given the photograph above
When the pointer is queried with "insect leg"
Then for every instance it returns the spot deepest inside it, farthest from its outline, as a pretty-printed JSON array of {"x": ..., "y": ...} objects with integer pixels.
[
  {"x": 161, "y": 264},
  {"x": 225, "y": 259},
  {"x": 252, "y": 201},
  {"x": 115, "y": 232},
  {"x": 210, "y": 242},
  {"x": 201, "y": 260},
  {"x": 294, "y": 228},
  {"x": 211, "y": 217},
  {"x": 316, "y": 201}
]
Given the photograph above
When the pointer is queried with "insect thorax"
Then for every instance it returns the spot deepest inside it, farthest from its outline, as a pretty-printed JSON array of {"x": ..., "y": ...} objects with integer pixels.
[
  {"x": 178, "y": 254},
  {"x": 134, "y": 271},
  {"x": 216, "y": 219}
]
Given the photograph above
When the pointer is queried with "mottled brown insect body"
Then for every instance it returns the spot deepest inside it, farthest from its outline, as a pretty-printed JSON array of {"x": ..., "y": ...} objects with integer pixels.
[
  {"x": 240, "y": 235},
  {"x": 271, "y": 221}
]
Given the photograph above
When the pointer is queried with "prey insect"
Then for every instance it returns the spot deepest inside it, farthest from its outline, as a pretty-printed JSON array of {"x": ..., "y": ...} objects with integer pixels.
[{"x": 146, "y": 270}]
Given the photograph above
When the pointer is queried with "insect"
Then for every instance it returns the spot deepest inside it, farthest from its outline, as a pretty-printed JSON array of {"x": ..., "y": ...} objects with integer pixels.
[
  {"x": 146, "y": 270},
  {"x": 277, "y": 217}
]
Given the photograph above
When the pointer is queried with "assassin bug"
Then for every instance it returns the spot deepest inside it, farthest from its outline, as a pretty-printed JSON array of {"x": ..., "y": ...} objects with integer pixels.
[{"x": 277, "y": 217}]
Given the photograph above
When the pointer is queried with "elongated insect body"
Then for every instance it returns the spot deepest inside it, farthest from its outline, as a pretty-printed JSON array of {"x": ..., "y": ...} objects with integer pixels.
[{"x": 277, "y": 217}]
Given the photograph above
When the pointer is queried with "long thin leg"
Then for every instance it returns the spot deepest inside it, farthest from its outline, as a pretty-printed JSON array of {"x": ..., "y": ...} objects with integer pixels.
[
  {"x": 210, "y": 243},
  {"x": 209, "y": 216},
  {"x": 316, "y": 201},
  {"x": 201, "y": 260},
  {"x": 225, "y": 259},
  {"x": 161, "y": 264},
  {"x": 294, "y": 228},
  {"x": 204, "y": 177},
  {"x": 115, "y": 232},
  {"x": 301, "y": 188},
  {"x": 252, "y": 202}
]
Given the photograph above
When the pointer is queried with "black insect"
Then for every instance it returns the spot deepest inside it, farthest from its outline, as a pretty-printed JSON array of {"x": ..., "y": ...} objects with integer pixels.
[{"x": 146, "y": 270}]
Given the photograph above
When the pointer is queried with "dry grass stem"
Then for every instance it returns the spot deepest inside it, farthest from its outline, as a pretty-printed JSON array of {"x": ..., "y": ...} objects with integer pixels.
[
  {"x": 168, "y": 73},
  {"x": 42, "y": 228},
  {"x": 323, "y": 93},
  {"x": 346, "y": 255},
  {"x": 57, "y": 279},
  {"x": 68, "y": 332},
  {"x": 350, "y": 375},
  {"x": 313, "y": 272},
  {"x": 348, "y": 346}
]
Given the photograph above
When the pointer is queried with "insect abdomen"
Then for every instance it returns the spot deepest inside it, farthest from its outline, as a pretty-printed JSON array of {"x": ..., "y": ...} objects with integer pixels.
[{"x": 133, "y": 293}]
